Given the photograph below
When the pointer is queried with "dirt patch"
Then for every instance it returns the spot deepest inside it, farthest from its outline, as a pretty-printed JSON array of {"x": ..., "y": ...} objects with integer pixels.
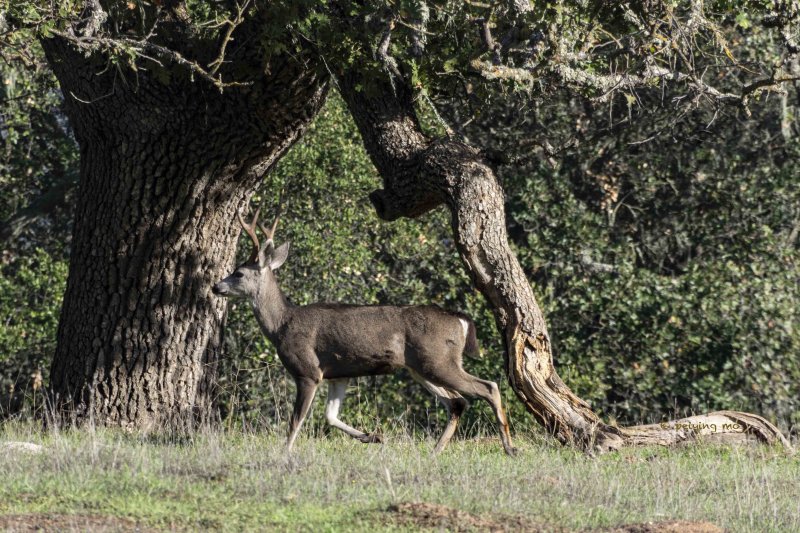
[
  {"x": 671, "y": 526},
  {"x": 68, "y": 522},
  {"x": 433, "y": 516}
]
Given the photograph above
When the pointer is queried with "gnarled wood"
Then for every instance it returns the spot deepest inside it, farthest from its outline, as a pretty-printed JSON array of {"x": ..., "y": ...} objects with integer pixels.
[
  {"x": 718, "y": 426},
  {"x": 420, "y": 174}
]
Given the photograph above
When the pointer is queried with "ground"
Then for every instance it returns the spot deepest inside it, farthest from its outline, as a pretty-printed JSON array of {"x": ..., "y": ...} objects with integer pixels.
[{"x": 232, "y": 480}]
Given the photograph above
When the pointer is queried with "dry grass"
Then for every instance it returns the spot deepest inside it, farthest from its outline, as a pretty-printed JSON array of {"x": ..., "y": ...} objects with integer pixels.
[{"x": 235, "y": 481}]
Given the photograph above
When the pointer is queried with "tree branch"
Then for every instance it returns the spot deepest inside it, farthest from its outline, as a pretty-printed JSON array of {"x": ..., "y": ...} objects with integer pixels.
[
  {"x": 227, "y": 37},
  {"x": 784, "y": 17},
  {"x": 382, "y": 51},
  {"x": 96, "y": 18},
  {"x": 608, "y": 84},
  {"x": 488, "y": 41},
  {"x": 143, "y": 47}
]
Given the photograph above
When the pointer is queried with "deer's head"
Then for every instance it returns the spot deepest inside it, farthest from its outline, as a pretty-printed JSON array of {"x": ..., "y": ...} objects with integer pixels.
[{"x": 254, "y": 274}]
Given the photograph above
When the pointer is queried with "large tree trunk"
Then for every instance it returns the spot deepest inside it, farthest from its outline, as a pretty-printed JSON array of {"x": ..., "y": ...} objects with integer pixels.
[
  {"x": 166, "y": 163},
  {"x": 419, "y": 174}
]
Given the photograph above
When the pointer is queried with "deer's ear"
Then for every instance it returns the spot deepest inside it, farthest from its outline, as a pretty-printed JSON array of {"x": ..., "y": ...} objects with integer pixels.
[
  {"x": 279, "y": 256},
  {"x": 265, "y": 253}
]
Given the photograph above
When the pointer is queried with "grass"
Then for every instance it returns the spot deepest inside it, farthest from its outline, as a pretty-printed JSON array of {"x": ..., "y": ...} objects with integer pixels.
[{"x": 235, "y": 481}]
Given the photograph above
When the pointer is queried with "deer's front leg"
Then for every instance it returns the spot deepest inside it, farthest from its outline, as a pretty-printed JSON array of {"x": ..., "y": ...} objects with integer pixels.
[
  {"x": 337, "y": 390},
  {"x": 306, "y": 388}
]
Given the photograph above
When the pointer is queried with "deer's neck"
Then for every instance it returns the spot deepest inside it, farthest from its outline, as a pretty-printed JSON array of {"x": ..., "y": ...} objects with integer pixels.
[{"x": 270, "y": 306}]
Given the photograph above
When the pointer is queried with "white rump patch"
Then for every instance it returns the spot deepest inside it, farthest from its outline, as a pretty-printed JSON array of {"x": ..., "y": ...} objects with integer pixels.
[{"x": 465, "y": 325}]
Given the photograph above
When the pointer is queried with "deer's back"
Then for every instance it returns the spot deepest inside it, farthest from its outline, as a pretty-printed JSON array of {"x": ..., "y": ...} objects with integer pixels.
[{"x": 327, "y": 341}]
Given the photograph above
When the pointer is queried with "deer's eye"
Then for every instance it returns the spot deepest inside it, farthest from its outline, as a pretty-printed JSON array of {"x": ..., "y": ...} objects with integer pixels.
[{"x": 238, "y": 274}]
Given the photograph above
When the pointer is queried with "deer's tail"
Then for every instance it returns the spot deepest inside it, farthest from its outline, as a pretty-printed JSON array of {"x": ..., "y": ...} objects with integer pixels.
[{"x": 471, "y": 347}]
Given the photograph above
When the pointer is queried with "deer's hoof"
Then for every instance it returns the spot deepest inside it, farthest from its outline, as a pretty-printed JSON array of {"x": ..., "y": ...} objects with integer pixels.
[
  {"x": 511, "y": 451},
  {"x": 371, "y": 439}
]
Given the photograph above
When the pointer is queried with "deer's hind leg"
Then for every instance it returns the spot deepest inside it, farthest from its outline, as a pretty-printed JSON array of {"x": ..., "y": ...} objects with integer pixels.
[
  {"x": 454, "y": 377},
  {"x": 337, "y": 390},
  {"x": 453, "y": 402}
]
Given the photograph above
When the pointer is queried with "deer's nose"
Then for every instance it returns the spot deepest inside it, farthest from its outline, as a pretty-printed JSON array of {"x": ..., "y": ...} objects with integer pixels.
[{"x": 216, "y": 289}]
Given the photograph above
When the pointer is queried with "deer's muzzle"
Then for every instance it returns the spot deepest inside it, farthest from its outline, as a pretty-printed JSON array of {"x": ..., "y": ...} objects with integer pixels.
[{"x": 219, "y": 290}]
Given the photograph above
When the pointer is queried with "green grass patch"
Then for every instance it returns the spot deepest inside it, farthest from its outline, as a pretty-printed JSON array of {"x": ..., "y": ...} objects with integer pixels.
[{"x": 231, "y": 481}]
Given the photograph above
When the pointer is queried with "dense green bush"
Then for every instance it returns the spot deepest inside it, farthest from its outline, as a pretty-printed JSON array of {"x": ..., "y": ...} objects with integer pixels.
[
  {"x": 31, "y": 289},
  {"x": 642, "y": 343}
]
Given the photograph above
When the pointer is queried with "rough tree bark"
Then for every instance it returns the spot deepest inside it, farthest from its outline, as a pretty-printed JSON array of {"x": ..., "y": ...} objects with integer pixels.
[
  {"x": 166, "y": 163},
  {"x": 420, "y": 174}
]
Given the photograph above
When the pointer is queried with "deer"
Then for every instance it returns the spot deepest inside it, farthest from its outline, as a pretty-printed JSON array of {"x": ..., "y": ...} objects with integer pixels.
[{"x": 335, "y": 342}]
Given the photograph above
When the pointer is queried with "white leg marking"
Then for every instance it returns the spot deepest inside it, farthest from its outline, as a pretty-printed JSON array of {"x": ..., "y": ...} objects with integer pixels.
[{"x": 337, "y": 390}]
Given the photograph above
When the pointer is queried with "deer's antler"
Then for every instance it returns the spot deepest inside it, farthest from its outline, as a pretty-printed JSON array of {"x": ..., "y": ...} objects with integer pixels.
[
  {"x": 251, "y": 231},
  {"x": 271, "y": 233}
]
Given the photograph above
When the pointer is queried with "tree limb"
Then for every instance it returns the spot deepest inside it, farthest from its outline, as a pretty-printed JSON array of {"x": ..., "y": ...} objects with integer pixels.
[
  {"x": 96, "y": 18},
  {"x": 143, "y": 47},
  {"x": 227, "y": 37},
  {"x": 382, "y": 51},
  {"x": 608, "y": 84}
]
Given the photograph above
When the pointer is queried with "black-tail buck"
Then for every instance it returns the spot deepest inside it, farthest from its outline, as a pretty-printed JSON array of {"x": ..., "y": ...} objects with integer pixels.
[{"x": 336, "y": 342}]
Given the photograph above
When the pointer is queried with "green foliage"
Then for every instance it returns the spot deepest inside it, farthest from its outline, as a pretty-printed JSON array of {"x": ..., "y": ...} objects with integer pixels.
[
  {"x": 699, "y": 310},
  {"x": 37, "y": 151},
  {"x": 31, "y": 289},
  {"x": 38, "y": 169}
]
